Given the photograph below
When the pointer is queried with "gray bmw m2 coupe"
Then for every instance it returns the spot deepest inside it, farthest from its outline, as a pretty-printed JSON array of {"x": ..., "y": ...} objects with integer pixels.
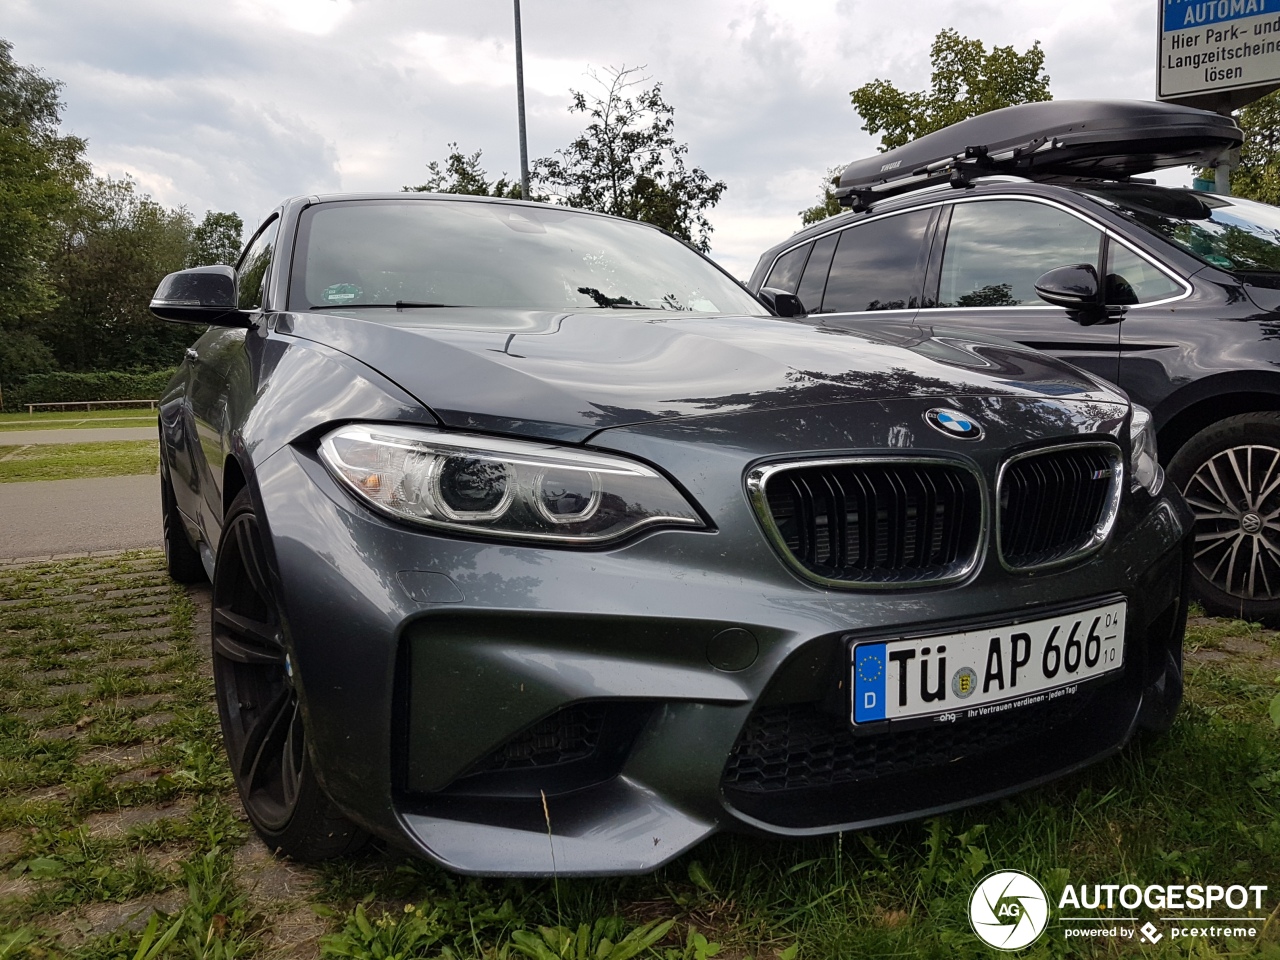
[{"x": 537, "y": 544}]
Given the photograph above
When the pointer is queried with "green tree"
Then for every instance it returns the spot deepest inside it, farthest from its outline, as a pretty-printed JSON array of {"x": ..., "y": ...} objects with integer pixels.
[
  {"x": 967, "y": 80},
  {"x": 39, "y": 174},
  {"x": 1257, "y": 176},
  {"x": 216, "y": 239},
  {"x": 462, "y": 173},
  {"x": 115, "y": 248},
  {"x": 627, "y": 161}
]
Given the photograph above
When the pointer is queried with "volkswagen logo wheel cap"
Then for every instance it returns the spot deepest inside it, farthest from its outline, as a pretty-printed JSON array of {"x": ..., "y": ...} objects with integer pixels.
[{"x": 953, "y": 423}]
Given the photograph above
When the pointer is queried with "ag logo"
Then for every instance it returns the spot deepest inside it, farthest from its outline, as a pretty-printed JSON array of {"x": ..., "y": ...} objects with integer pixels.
[
  {"x": 953, "y": 423},
  {"x": 1008, "y": 910}
]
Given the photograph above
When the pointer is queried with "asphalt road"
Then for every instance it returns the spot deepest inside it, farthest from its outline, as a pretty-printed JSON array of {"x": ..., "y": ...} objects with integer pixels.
[
  {"x": 51, "y": 517},
  {"x": 11, "y": 438}
]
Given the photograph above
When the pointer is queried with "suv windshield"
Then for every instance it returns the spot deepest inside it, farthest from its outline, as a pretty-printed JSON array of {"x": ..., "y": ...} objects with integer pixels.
[
  {"x": 423, "y": 253},
  {"x": 1227, "y": 232}
]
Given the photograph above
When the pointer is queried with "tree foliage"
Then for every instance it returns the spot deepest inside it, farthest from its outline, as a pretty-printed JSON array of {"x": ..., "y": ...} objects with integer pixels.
[
  {"x": 216, "y": 239},
  {"x": 461, "y": 173},
  {"x": 1257, "y": 176},
  {"x": 115, "y": 248},
  {"x": 627, "y": 161},
  {"x": 967, "y": 80},
  {"x": 81, "y": 256},
  {"x": 39, "y": 174}
]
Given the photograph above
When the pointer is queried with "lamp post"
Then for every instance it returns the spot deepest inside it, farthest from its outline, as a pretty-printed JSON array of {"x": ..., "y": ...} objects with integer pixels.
[{"x": 524, "y": 146}]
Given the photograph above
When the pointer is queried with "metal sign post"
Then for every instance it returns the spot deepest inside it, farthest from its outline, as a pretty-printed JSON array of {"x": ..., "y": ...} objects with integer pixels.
[{"x": 524, "y": 145}]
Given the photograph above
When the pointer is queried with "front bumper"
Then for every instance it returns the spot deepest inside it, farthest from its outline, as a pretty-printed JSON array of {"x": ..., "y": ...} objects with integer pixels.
[{"x": 440, "y": 680}]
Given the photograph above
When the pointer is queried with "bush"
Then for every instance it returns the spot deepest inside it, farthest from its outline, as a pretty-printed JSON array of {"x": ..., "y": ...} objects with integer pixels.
[{"x": 70, "y": 387}]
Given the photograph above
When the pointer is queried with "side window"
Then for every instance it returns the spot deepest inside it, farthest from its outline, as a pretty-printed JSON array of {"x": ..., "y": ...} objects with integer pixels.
[
  {"x": 252, "y": 274},
  {"x": 785, "y": 275},
  {"x": 997, "y": 249},
  {"x": 1130, "y": 279},
  {"x": 815, "y": 273},
  {"x": 879, "y": 265}
]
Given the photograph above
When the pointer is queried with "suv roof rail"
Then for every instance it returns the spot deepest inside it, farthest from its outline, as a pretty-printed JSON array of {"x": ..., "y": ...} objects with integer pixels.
[{"x": 1105, "y": 139}]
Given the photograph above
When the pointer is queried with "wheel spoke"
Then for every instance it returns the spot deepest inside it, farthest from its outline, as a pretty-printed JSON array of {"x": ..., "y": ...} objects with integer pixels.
[
  {"x": 265, "y": 738},
  {"x": 250, "y": 545},
  {"x": 244, "y": 639},
  {"x": 1240, "y": 477},
  {"x": 291, "y": 757}
]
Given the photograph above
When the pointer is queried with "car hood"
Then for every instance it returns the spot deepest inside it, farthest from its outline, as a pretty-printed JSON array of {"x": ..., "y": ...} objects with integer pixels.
[{"x": 565, "y": 376}]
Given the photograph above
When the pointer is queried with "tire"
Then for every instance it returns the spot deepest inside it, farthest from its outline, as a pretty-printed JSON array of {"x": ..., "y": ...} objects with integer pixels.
[
  {"x": 1229, "y": 474},
  {"x": 181, "y": 559},
  {"x": 262, "y": 723}
]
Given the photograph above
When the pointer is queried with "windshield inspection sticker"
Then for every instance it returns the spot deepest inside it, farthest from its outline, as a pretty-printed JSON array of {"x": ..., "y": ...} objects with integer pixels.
[{"x": 341, "y": 293}]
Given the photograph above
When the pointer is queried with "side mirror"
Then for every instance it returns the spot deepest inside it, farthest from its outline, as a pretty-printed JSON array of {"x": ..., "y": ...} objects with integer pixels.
[
  {"x": 781, "y": 303},
  {"x": 205, "y": 295},
  {"x": 1075, "y": 288}
]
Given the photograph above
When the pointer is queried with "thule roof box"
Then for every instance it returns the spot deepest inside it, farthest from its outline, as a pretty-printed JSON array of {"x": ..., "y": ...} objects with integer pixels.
[{"x": 1108, "y": 139}]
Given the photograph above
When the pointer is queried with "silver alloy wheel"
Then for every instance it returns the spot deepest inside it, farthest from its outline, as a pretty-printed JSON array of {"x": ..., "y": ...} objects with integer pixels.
[{"x": 1235, "y": 496}]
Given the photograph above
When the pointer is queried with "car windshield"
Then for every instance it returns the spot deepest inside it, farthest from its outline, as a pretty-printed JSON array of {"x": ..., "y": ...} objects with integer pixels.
[
  {"x": 421, "y": 253},
  {"x": 1228, "y": 232}
]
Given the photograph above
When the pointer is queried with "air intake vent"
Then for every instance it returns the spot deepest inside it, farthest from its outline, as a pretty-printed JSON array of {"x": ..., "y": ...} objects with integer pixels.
[
  {"x": 1058, "y": 505},
  {"x": 873, "y": 522}
]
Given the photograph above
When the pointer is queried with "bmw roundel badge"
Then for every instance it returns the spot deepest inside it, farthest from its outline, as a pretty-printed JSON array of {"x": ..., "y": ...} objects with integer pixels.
[{"x": 953, "y": 423}]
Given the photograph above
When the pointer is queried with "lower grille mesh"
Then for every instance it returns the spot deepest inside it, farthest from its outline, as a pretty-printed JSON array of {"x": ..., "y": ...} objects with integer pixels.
[
  {"x": 797, "y": 746},
  {"x": 567, "y": 735}
]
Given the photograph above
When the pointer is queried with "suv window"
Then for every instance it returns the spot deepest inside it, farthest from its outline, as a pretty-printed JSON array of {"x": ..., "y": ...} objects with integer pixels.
[
  {"x": 879, "y": 265},
  {"x": 997, "y": 249},
  {"x": 815, "y": 273},
  {"x": 253, "y": 266},
  {"x": 1130, "y": 279},
  {"x": 785, "y": 275}
]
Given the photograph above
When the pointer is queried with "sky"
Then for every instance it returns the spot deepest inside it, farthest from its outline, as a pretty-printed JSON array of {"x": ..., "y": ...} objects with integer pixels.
[{"x": 237, "y": 104}]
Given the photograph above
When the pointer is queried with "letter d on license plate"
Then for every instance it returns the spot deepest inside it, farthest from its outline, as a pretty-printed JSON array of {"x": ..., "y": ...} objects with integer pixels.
[{"x": 985, "y": 671}]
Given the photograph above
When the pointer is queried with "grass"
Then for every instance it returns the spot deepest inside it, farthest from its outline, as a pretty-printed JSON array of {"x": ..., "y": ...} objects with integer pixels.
[
  {"x": 1201, "y": 805},
  {"x": 62, "y": 461},
  {"x": 64, "y": 419}
]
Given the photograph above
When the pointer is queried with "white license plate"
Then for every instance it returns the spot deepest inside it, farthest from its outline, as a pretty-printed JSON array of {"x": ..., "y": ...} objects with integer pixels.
[{"x": 959, "y": 675}]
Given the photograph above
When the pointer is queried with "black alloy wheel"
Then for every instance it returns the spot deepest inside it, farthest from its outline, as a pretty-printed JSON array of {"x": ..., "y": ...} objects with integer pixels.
[
  {"x": 1229, "y": 474},
  {"x": 262, "y": 722}
]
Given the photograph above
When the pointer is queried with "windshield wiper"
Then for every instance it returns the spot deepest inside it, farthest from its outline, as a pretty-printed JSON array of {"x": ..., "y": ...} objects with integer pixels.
[
  {"x": 612, "y": 303},
  {"x": 398, "y": 305}
]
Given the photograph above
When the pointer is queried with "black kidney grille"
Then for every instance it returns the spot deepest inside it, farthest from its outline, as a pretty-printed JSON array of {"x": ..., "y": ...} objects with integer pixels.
[
  {"x": 1056, "y": 504},
  {"x": 797, "y": 746},
  {"x": 878, "y": 523}
]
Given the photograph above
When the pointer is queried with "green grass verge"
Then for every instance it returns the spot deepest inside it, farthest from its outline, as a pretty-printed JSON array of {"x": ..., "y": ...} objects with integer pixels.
[
  {"x": 1200, "y": 805},
  {"x": 64, "y": 419},
  {"x": 64, "y": 461}
]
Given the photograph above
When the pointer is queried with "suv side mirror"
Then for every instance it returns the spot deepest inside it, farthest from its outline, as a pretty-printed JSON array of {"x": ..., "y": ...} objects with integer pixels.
[
  {"x": 781, "y": 303},
  {"x": 205, "y": 295},
  {"x": 1074, "y": 288}
]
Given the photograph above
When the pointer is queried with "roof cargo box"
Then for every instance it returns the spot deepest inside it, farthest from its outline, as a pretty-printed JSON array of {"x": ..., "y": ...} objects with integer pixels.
[{"x": 1091, "y": 138}]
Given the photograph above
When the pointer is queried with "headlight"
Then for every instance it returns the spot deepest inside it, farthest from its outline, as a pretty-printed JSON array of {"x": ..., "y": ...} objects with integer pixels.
[
  {"x": 1144, "y": 465},
  {"x": 503, "y": 488}
]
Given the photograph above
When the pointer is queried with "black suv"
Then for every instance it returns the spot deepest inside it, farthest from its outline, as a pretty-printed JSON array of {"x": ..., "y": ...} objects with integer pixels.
[{"x": 1029, "y": 224}]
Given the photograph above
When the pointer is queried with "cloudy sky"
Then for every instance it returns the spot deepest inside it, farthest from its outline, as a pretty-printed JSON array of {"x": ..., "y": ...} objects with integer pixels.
[{"x": 235, "y": 104}]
